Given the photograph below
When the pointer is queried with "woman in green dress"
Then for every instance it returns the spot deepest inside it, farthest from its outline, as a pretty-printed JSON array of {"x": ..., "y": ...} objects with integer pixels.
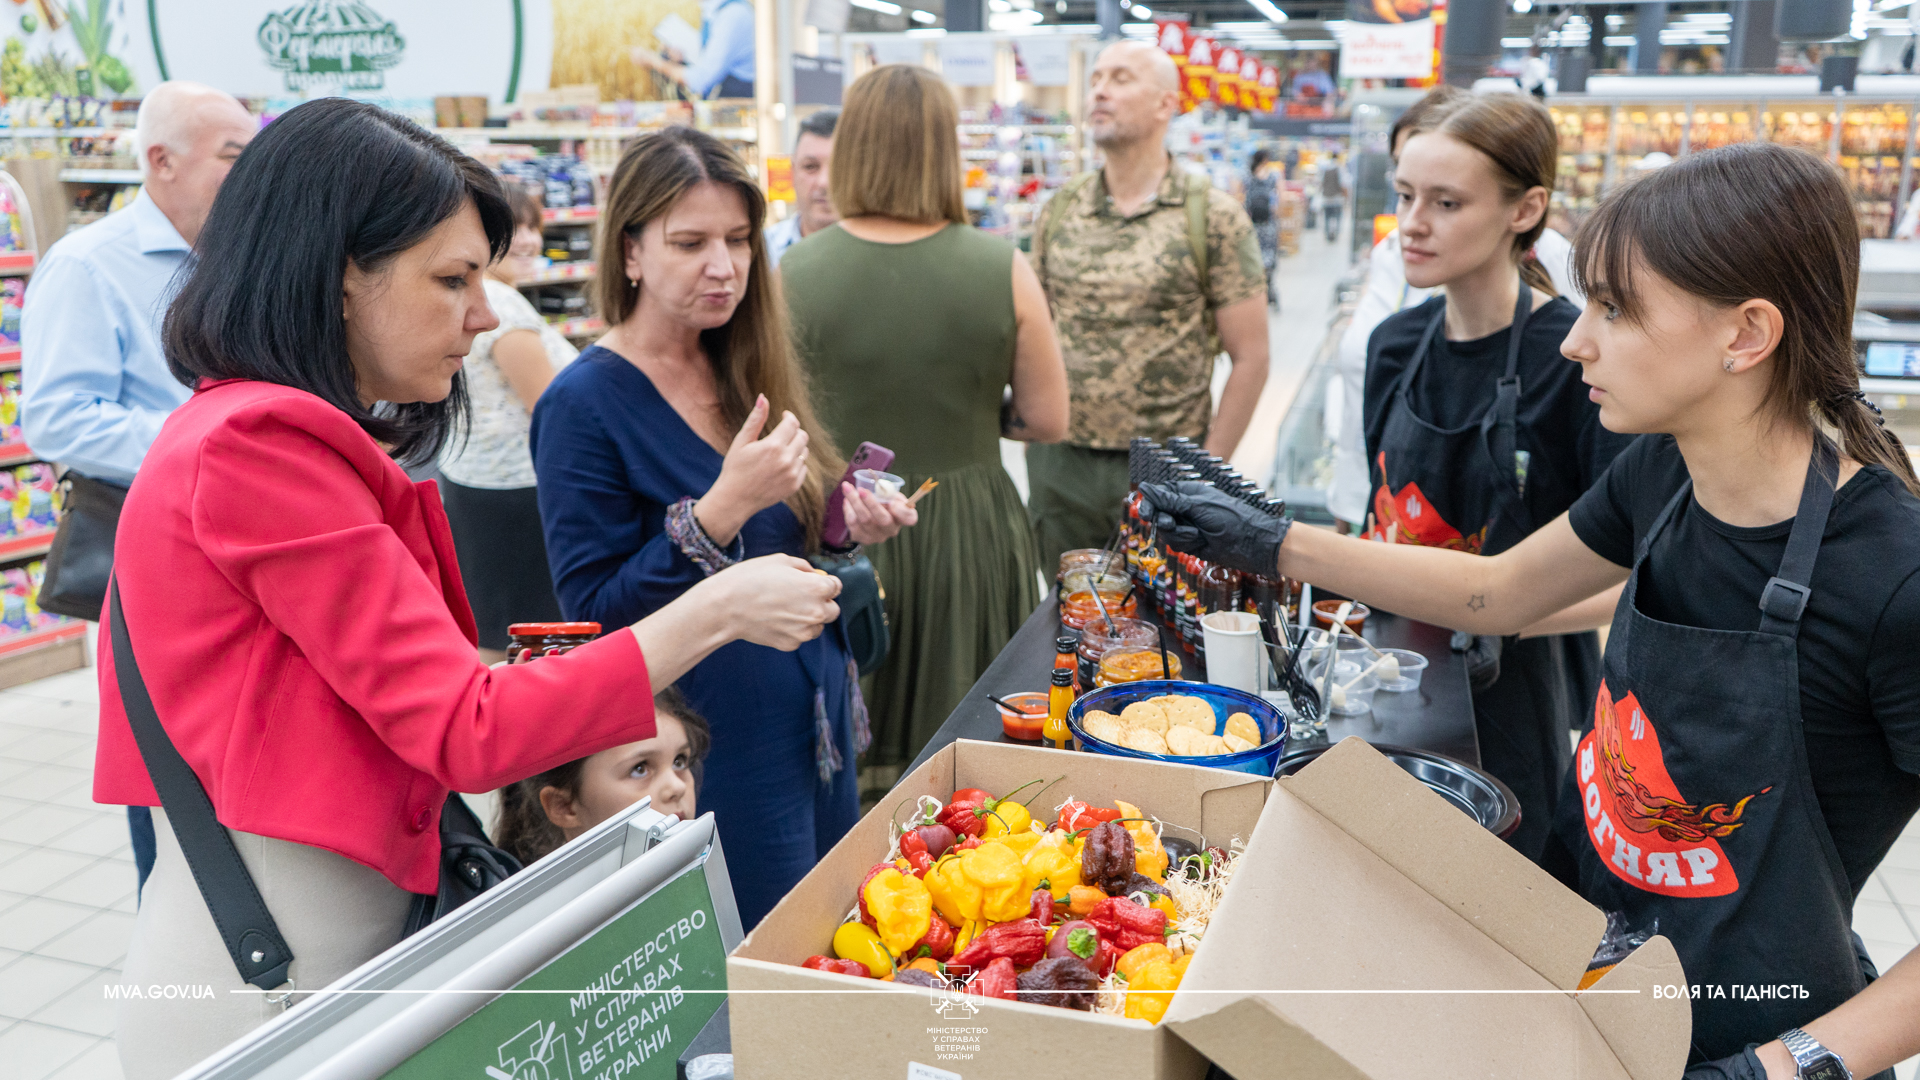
[{"x": 912, "y": 325}]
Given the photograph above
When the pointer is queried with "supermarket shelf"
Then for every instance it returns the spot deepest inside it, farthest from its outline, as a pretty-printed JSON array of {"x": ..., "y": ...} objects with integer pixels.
[
  {"x": 736, "y": 134},
  {"x": 15, "y": 264},
  {"x": 58, "y": 648},
  {"x": 15, "y": 453},
  {"x": 554, "y": 275},
  {"x": 9, "y": 357},
  {"x": 61, "y": 133},
  {"x": 26, "y": 546},
  {"x": 541, "y": 133},
  {"x": 584, "y": 327},
  {"x": 100, "y": 176},
  {"x": 569, "y": 215},
  {"x": 1032, "y": 129}
]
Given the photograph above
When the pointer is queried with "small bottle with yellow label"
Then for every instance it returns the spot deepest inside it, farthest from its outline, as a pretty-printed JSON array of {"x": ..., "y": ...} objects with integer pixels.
[{"x": 1059, "y": 700}]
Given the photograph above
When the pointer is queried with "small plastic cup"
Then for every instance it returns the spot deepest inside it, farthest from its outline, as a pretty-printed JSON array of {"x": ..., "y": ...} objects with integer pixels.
[
  {"x": 1027, "y": 724},
  {"x": 884, "y": 485},
  {"x": 1353, "y": 698},
  {"x": 1093, "y": 560},
  {"x": 1325, "y": 610},
  {"x": 1412, "y": 666}
]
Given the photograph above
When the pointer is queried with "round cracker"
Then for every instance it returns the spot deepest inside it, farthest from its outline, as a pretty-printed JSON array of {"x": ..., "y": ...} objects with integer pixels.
[
  {"x": 1147, "y": 715},
  {"x": 1192, "y": 712},
  {"x": 1242, "y": 725},
  {"x": 1143, "y": 740},
  {"x": 1209, "y": 746},
  {"x": 1104, "y": 726},
  {"x": 1235, "y": 744},
  {"x": 1180, "y": 739}
]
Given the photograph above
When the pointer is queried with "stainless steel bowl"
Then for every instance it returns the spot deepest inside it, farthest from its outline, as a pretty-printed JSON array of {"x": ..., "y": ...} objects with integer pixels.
[{"x": 1473, "y": 792}]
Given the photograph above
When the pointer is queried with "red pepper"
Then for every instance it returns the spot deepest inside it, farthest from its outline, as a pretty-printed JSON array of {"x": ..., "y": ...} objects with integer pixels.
[
  {"x": 1128, "y": 925},
  {"x": 865, "y": 915},
  {"x": 996, "y": 980},
  {"x": 842, "y": 967},
  {"x": 971, "y": 794},
  {"x": 1106, "y": 958},
  {"x": 968, "y": 844},
  {"x": 1042, "y": 911},
  {"x": 914, "y": 850},
  {"x": 963, "y": 816},
  {"x": 1023, "y": 941},
  {"x": 938, "y": 941},
  {"x": 1076, "y": 815}
]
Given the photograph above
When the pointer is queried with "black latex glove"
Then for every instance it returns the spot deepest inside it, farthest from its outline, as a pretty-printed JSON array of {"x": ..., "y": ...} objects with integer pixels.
[
  {"x": 1198, "y": 519},
  {"x": 1744, "y": 1065}
]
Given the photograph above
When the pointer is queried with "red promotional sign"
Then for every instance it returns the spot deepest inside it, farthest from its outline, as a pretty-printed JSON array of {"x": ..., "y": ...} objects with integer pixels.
[
  {"x": 1199, "y": 71},
  {"x": 1174, "y": 37},
  {"x": 1250, "y": 99},
  {"x": 1269, "y": 86},
  {"x": 1226, "y": 77}
]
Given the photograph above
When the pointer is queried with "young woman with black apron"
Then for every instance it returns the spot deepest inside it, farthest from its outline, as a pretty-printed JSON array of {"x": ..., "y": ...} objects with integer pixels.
[
  {"x": 1473, "y": 444},
  {"x": 1753, "y": 751}
]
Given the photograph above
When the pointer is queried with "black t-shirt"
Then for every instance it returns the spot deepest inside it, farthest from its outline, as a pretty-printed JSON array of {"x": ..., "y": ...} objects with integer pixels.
[
  {"x": 1859, "y": 677},
  {"x": 1556, "y": 422}
]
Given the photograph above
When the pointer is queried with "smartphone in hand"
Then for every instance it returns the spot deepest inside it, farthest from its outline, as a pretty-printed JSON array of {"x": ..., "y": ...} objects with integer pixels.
[{"x": 833, "y": 532}]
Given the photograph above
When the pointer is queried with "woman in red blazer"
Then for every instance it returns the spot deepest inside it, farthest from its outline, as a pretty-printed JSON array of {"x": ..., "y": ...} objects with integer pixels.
[{"x": 293, "y": 597}]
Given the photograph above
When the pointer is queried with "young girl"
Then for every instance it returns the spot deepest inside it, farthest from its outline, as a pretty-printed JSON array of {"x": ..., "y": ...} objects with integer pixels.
[
  {"x": 1755, "y": 744},
  {"x": 542, "y": 812},
  {"x": 1478, "y": 432}
]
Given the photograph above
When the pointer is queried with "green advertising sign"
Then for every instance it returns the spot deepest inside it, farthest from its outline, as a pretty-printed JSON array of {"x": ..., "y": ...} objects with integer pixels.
[{"x": 618, "y": 1006}]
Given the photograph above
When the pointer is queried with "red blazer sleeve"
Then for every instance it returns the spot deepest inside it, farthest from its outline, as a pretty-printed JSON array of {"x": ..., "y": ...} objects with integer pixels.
[{"x": 285, "y": 511}]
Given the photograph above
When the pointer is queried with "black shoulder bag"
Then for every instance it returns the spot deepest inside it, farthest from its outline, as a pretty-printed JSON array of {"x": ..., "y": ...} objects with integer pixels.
[
  {"x": 82, "y": 557},
  {"x": 469, "y": 864}
]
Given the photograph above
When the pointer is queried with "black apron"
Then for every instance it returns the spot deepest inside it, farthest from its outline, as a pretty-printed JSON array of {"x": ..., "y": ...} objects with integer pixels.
[
  {"x": 1464, "y": 488},
  {"x": 1692, "y": 804}
]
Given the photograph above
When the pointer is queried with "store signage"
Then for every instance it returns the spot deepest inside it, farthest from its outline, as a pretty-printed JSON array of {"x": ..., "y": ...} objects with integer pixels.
[
  {"x": 1226, "y": 77},
  {"x": 1045, "y": 58},
  {"x": 621, "y": 1004},
  {"x": 331, "y": 46},
  {"x": 1269, "y": 86},
  {"x": 1387, "y": 50},
  {"x": 967, "y": 59},
  {"x": 817, "y": 80},
  {"x": 1174, "y": 37},
  {"x": 1199, "y": 71}
]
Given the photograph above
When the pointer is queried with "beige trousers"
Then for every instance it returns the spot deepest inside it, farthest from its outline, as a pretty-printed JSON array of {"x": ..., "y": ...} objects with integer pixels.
[{"x": 334, "y": 913}]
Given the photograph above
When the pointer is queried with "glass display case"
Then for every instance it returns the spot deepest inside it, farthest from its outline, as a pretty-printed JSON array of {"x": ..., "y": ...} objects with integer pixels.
[
  {"x": 1806, "y": 125},
  {"x": 1585, "y": 135},
  {"x": 1873, "y": 143},
  {"x": 1722, "y": 123},
  {"x": 1642, "y": 129}
]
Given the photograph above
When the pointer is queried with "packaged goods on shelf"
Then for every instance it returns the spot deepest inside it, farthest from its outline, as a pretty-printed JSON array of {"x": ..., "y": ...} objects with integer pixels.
[
  {"x": 20, "y": 612},
  {"x": 13, "y": 292},
  {"x": 29, "y": 500},
  {"x": 10, "y": 408}
]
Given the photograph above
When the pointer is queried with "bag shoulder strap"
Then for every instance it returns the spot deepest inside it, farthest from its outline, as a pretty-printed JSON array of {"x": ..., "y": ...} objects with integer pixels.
[
  {"x": 246, "y": 927},
  {"x": 1199, "y": 190},
  {"x": 1056, "y": 206}
]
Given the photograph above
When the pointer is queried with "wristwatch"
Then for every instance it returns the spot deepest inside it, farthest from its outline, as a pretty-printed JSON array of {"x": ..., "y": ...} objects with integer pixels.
[{"x": 1815, "y": 1062}]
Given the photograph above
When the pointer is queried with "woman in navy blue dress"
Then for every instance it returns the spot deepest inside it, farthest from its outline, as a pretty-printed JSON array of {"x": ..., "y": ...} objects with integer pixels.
[{"x": 654, "y": 473}]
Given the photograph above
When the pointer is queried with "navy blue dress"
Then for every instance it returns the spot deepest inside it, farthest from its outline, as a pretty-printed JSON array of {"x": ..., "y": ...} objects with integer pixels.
[{"x": 611, "y": 456}]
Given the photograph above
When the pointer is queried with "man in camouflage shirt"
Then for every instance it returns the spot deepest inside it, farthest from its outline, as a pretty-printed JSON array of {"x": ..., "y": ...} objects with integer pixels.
[{"x": 1117, "y": 260}]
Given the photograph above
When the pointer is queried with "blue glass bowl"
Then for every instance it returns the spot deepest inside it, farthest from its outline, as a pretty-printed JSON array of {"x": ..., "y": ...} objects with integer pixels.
[{"x": 1259, "y": 761}]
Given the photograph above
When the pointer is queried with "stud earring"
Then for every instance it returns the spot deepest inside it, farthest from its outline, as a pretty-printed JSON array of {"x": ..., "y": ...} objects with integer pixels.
[
  {"x": 634, "y": 283},
  {"x": 1727, "y": 364}
]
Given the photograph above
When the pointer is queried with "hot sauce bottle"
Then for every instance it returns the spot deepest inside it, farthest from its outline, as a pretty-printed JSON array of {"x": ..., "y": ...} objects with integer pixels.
[
  {"x": 1059, "y": 700},
  {"x": 1066, "y": 654}
]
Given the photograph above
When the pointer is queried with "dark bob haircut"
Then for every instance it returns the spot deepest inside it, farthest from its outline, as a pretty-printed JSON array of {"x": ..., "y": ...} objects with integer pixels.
[{"x": 330, "y": 183}]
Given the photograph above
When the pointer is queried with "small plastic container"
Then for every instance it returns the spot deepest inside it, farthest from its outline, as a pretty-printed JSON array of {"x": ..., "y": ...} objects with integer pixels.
[
  {"x": 1092, "y": 560},
  {"x": 884, "y": 485},
  {"x": 1315, "y": 645},
  {"x": 1096, "y": 641},
  {"x": 1134, "y": 664},
  {"x": 1025, "y": 725},
  {"x": 1412, "y": 666},
  {"x": 1355, "y": 698},
  {"x": 531, "y": 641},
  {"x": 1325, "y": 610}
]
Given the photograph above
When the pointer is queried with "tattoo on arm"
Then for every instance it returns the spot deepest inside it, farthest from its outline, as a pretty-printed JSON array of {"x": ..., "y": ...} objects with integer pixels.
[
  {"x": 1477, "y": 602},
  {"x": 1011, "y": 421}
]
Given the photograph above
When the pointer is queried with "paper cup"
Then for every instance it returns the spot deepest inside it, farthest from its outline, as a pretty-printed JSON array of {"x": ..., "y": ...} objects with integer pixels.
[{"x": 1233, "y": 650}]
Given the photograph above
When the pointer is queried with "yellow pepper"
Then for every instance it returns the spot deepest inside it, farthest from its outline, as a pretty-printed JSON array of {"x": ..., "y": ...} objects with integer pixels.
[
  {"x": 857, "y": 941},
  {"x": 1082, "y": 899},
  {"x": 1022, "y": 842},
  {"x": 1149, "y": 855},
  {"x": 967, "y": 932},
  {"x": 1052, "y": 861},
  {"x": 1002, "y": 881},
  {"x": 1006, "y": 819},
  {"x": 901, "y": 907},
  {"x": 1180, "y": 965},
  {"x": 1165, "y": 903},
  {"x": 1139, "y": 956},
  {"x": 954, "y": 894},
  {"x": 1151, "y": 989}
]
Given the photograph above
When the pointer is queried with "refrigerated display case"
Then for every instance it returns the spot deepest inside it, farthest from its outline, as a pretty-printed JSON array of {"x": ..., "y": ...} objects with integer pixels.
[
  {"x": 1585, "y": 134},
  {"x": 1648, "y": 128}
]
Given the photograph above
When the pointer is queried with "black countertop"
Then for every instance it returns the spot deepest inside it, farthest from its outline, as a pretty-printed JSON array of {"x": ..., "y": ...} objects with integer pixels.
[{"x": 1438, "y": 717}]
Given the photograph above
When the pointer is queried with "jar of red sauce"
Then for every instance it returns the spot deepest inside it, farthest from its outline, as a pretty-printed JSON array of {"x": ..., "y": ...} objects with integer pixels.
[
  {"x": 1098, "y": 639},
  {"x": 533, "y": 640},
  {"x": 1077, "y": 604}
]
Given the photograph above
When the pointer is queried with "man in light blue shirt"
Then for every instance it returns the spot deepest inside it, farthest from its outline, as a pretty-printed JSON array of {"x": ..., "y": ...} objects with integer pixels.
[
  {"x": 812, "y": 205},
  {"x": 94, "y": 381},
  {"x": 725, "y": 62}
]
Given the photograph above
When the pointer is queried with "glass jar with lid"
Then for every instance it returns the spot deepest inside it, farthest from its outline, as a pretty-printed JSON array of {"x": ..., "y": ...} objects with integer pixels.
[{"x": 531, "y": 641}]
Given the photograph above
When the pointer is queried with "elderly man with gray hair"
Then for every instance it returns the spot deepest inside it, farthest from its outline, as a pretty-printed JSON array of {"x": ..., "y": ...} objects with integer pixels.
[{"x": 94, "y": 381}]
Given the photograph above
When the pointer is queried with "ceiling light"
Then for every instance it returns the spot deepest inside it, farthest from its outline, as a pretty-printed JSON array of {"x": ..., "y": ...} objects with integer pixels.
[
  {"x": 924, "y": 16},
  {"x": 880, "y": 6},
  {"x": 1521, "y": 7},
  {"x": 1267, "y": 8},
  {"x": 1014, "y": 20},
  {"x": 1142, "y": 12}
]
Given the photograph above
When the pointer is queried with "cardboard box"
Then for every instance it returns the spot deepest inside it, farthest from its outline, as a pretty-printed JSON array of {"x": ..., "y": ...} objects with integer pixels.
[{"x": 1371, "y": 932}]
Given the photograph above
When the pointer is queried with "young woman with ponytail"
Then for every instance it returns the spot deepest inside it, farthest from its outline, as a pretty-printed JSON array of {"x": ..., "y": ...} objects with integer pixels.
[
  {"x": 1754, "y": 749},
  {"x": 1478, "y": 431}
]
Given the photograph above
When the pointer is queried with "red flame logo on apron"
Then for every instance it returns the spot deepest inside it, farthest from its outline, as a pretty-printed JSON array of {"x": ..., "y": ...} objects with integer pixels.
[
  {"x": 1407, "y": 517},
  {"x": 1641, "y": 827}
]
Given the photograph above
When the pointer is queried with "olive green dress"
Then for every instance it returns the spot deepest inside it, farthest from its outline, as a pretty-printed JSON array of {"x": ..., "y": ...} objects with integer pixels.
[{"x": 910, "y": 346}]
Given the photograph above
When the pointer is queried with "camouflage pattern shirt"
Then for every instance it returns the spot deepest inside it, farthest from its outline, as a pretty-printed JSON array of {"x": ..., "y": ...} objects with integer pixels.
[{"x": 1127, "y": 305}]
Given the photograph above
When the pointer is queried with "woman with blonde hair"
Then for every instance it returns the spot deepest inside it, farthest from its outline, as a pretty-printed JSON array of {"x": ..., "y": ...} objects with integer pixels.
[
  {"x": 656, "y": 471},
  {"x": 961, "y": 319}
]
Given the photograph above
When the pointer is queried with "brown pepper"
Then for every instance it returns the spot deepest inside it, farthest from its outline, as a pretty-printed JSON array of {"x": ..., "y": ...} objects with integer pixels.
[
  {"x": 1143, "y": 883},
  {"x": 1063, "y": 982},
  {"x": 919, "y": 977},
  {"x": 1107, "y": 860}
]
